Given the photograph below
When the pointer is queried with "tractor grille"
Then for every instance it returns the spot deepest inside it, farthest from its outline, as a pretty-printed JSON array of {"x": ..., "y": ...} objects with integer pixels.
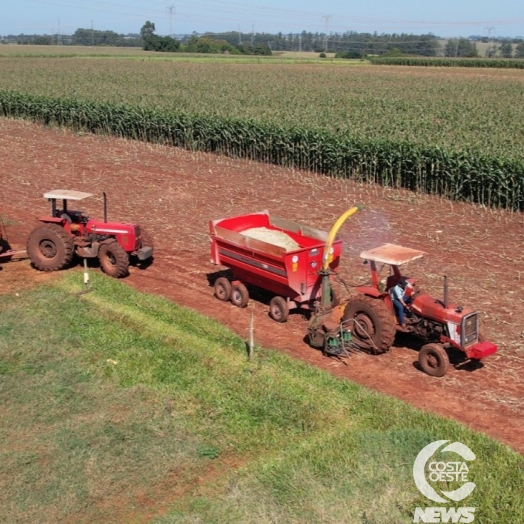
[
  {"x": 470, "y": 328},
  {"x": 138, "y": 237}
]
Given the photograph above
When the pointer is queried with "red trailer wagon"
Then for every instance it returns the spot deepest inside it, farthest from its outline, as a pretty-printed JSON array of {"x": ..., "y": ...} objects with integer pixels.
[{"x": 274, "y": 254}]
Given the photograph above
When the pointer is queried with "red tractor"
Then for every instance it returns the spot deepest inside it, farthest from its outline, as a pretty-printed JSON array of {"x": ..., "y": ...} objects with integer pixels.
[
  {"x": 371, "y": 318},
  {"x": 66, "y": 232}
]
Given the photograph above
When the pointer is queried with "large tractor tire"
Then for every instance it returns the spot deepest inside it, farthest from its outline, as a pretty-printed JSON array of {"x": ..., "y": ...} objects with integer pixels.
[
  {"x": 50, "y": 248},
  {"x": 433, "y": 360},
  {"x": 371, "y": 324},
  {"x": 114, "y": 260}
]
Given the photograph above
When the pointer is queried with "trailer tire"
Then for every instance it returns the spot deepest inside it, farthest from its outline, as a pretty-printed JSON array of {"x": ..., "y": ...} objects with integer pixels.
[
  {"x": 371, "y": 324},
  {"x": 114, "y": 259},
  {"x": 239, "y": 294},
  {"x": 433, "y": 360},
  {"x": 278, "y": 309},
  {"x": 50, "y": 248},
  {"x": 222, "y": 289}
]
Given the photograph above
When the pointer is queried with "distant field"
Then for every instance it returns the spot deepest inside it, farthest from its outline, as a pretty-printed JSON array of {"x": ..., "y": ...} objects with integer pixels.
[{"x": 13, "y": 50}]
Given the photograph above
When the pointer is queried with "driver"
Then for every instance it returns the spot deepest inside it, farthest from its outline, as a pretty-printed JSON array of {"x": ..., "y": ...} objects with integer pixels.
[{"x": 400, "y": 300}]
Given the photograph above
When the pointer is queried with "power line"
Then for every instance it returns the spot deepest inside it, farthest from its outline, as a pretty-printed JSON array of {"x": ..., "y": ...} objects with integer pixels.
[{"x": 215, "y": 12}]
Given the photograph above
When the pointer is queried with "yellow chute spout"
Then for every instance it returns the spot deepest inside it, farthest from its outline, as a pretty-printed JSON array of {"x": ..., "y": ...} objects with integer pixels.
[{"x": 325, "y": 300}]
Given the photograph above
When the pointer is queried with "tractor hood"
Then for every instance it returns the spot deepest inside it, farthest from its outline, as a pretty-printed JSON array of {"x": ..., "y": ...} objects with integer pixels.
[
  {"x": 429, "y": 307},
  {"x": 128, "y": 235}
]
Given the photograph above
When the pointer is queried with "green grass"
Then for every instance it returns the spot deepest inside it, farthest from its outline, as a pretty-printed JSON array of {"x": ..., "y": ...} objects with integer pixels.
[
  {"x": 116, "y": 404},
  {"x": 137, "y": 53}
]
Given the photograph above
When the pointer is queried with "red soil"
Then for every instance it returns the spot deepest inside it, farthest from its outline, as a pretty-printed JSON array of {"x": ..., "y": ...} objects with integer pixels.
[{"x": 174, "y": 193}]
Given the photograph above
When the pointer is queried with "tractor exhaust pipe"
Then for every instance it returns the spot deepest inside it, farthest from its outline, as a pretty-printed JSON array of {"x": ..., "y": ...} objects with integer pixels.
[
  {"x": 105, "y": 207},
  {"x": 445, "y": 292}
]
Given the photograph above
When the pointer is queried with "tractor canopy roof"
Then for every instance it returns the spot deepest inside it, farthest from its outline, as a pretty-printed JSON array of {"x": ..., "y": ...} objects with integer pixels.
[
  {"x": 392, "y": 254},
  {"x": 66, "y": 194}
]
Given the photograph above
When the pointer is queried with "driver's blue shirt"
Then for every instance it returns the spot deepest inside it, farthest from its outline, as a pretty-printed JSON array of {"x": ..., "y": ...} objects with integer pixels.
[{"x": 397, "y": 293}]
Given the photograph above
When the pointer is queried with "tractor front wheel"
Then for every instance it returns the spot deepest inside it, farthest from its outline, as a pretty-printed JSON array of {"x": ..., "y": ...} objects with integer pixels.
[
  {"x": 114, "y": 260},
  {"x": 239, "y": 294},
  {"x": 433, "y": 360},
  {"x": 222, "y": 289},
  {"x": 50, "y": 248},
  {"x": 371, "y": 324},
  {"x": 279, "y": 309}
]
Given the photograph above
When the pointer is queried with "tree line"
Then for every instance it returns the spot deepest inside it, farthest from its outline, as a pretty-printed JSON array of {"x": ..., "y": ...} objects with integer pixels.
[{"x": 350, "y": 44}]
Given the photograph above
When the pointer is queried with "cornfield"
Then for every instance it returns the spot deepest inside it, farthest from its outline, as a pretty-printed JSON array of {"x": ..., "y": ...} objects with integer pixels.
[
  {"x": 455, "y": 134},
  {"x": 495, "y": 63}
]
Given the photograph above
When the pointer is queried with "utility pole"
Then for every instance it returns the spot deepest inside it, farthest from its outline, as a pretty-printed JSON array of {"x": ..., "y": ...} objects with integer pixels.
[
  {"x": 171, "y": 10},
  {"x": 252, "y": 34},
  {"x": 239, "y": 36},
  {"x": 326, "y": 19},
  {"x": 489, "y": 30},
  {"x": 92, "y": 34}
]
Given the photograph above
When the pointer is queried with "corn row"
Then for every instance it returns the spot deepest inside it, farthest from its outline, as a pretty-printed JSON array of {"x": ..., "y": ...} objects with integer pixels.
[{"x": 460, "y": 175}]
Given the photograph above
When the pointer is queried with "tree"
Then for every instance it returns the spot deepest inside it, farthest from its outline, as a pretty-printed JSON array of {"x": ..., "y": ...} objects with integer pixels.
[
  {"x": 506, "y": 50},
  {"x": 152, "y": 42},
  {"x": 148, "y": 29},
  {"x": 348, "y": 55},
  {"x": 519, "y": 50},
  {"x": 461, "y": 47}
]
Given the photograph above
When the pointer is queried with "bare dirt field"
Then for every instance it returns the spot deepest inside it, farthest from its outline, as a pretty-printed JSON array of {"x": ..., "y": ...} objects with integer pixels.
[{"x": 174, "y": 193}]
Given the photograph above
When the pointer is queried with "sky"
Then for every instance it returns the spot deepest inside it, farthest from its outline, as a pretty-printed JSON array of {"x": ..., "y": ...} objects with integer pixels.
[{"x": 445, "y": 18}]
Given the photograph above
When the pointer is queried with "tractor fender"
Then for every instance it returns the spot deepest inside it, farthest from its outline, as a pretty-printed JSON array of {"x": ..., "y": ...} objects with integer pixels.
[
  {"x": 369, "y": 291},
  {"x": 51, "y": 220},
  {"x": 373, "y": 292}
]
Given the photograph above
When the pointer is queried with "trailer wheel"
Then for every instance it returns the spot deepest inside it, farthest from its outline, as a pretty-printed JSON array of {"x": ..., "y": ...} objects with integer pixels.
[
  {"x": 433, "y": 360},
  {"x": 222, "y": 289},
  {"x": 50, "y": 248},
  {"x": 114, "y": 260},
  {"x": 371, "y": 324},
  {"x": 278, "y": 309},
  {"x": 239, "y": 294}
]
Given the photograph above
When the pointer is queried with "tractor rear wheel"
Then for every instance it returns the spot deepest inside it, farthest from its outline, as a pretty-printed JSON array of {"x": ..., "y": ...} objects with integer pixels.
[
  {"x": 222, "y": 289},
  {"x": 50, "y": 248},
  {"x": 433, "y": 360},
  {"x": 279, "y": 309},
  {"x": 114, "y": 259},
  {"x": 239, "y": 294},
  {"x": 371, "y": 324}
]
